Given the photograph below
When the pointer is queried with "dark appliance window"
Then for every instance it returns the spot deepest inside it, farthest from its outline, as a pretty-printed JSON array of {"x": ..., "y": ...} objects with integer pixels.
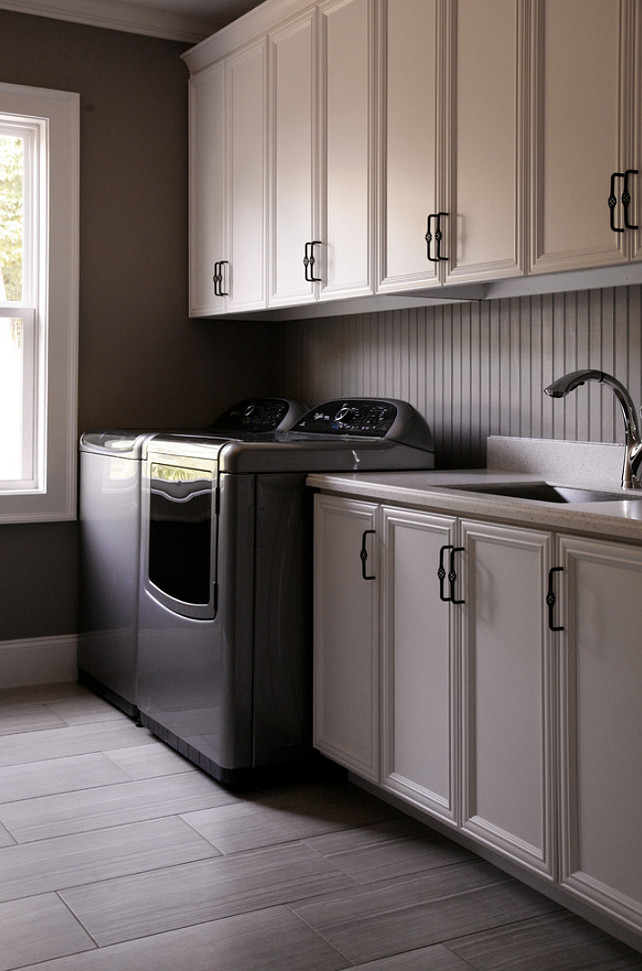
[{"x": 180, "y": 533}]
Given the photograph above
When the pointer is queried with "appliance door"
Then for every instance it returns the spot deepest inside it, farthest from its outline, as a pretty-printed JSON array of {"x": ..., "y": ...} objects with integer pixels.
[{"x": 179, "y": 534}]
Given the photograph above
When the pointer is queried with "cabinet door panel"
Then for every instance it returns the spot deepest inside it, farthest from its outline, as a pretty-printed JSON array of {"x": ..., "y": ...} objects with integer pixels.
[
  {"x": 294, "y": 119},
  {"x": 207, "y": 187},
  {"x": 346, "y": 637},
  {"x": 409, "y": 165},
  {"x": 577, "y": 133},
  {"x": 347, "y": 183},
  {"x": 601, "y": 726},
  {"x": 486, "y": 187},
  {"x": 246, "y": 129},
  {"x": 507, "y": 691},
  {"x": 419, "y": 673}
]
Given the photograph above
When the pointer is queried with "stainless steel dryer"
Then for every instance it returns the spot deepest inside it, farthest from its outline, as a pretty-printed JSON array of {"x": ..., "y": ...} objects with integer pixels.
[
  {"x": 225, "y": 627},
  {"x": 110, "y": 472}
]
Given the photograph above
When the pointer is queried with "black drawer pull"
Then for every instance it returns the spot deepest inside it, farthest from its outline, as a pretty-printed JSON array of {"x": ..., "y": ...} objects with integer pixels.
[
  {"x": 451, "y": 575},
  {"x": 364, "y": 554},
  {"x": 551, "y": 599},
  {"x": 309, "y": 260}
]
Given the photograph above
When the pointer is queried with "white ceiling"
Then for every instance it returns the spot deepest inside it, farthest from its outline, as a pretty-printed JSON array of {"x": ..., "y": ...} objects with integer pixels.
[{"x": 186, "y": 20}]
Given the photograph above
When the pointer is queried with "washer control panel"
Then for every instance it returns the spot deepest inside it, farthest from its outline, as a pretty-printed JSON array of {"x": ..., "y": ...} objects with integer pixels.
[{"x": 350, "y": 416}]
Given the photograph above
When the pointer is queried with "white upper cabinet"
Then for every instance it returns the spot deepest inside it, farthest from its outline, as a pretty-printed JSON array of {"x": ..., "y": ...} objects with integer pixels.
[
  {"x": 322, "y": 184},
  {"x": 246, "y": 119},
  {"x": 228, "y": 128},
  {"x": 207, "y": 243},
  {"x": 347, "y": 148},
  {"x": 483, "y": 167},
  {"x": 452, "y": 122},
  {"x": 409, "y": 164},
  {"x": 293, "y": 155},
  {"x": 580, "y": 147}
]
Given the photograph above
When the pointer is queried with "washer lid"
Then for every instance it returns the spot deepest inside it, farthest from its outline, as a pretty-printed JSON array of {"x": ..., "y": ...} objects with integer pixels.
[{"x": 128, "y": 443}]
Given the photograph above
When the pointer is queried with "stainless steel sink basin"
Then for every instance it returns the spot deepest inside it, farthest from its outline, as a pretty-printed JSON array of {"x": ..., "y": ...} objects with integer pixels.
[{"x": 544, "y": 492}]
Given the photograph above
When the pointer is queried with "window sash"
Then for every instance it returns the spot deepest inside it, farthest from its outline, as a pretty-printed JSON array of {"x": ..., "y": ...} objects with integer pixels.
[
  {"x": 26, "y": 410},
  {"x": 48, "y": 310}
]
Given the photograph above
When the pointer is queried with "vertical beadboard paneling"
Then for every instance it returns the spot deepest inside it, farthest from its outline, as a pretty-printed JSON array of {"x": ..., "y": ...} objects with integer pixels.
[{"x": 479, "y": 369}]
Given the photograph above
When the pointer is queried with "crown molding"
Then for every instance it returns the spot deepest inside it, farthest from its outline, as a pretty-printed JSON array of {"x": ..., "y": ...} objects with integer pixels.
[{"x": 116, "y": 15}]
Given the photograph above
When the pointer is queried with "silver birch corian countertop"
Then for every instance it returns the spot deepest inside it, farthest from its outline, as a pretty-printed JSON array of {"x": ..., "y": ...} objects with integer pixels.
[{"x": 512, "y": 460}]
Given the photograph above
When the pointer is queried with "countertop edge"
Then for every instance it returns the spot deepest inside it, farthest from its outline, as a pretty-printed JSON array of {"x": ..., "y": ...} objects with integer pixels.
[{"x": 437, "y": 491}]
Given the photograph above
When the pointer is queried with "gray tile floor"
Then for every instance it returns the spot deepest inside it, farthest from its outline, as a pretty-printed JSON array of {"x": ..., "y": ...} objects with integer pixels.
[{"x": 116, "y": 854}]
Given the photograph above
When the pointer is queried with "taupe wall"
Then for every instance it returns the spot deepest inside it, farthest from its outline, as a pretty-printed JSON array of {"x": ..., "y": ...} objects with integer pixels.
[
  {"x": 479, "y": 369},
  {"x": 141, "y": 361}
]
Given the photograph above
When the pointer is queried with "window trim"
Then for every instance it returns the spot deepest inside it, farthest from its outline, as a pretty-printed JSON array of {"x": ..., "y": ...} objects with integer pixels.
[{"x": 54, "y": 498}]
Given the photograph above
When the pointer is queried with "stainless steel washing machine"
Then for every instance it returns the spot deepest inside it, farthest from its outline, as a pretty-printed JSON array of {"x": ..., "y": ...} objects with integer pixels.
[
  {"x": 110, "y": 474},
  {"x": 225, "y": 626}
]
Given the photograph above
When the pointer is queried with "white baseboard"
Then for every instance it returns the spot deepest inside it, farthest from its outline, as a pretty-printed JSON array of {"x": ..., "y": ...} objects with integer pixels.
[{"x": 38, "y": 660}]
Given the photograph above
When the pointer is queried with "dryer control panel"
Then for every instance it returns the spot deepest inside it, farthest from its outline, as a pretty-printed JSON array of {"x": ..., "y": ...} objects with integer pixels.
[{"x": 259, "y": 415}]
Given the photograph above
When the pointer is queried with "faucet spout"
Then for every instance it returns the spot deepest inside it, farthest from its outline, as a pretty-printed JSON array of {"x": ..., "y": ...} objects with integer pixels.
[{"x": 633, "y": 439}]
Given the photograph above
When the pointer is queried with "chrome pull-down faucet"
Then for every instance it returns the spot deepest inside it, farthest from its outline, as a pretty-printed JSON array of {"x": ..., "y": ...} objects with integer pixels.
[{"x": 633, "y": 440}]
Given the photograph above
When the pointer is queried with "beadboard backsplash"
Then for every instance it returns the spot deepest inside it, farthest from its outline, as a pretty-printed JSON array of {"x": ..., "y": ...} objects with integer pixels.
[{"x": 479, "y": 369}]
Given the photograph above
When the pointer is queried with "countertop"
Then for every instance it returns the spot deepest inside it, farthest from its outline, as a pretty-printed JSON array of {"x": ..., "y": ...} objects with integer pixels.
[{"x": 437, "y": 490}]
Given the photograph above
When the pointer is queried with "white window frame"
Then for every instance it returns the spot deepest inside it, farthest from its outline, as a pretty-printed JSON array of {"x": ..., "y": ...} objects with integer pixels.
[{"x": 48, "y": 310}]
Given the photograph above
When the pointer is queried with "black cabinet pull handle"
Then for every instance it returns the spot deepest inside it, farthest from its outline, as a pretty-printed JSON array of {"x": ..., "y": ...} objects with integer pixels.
[
  {"x": 437, "y": 236},
  {"x": 309, "y": 261},
  {"x": 441, "y": 573},
  {"x": 551, "y": 599},
  {"x": 364, "y": 554},
  {"x": 612, "y": 201},
  {"x": 218, "y": 279},
  {"x": 626, "y": 198},
  {"x": 451, "y": 575}
]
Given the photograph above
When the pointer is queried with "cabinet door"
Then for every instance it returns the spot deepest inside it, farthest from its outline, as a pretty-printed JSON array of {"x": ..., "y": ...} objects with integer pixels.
[
  {"x": 507, "y": 694},
  {"x": 347, "y": 150},
  {"x": 293, "y": 222},
  {"x": 207, "y": 187},
  {"x": 409, "y": 165},
  {"x": 246, "y": 152},
  {"x": 634, "y": 154},
  {"x": 601, "y": 727},
  {"x": 419, "y": 665},
  {"x": 577, "y": 133},
  {"x": 484, "y": 137},
  {"x": 346, "y": 634}
]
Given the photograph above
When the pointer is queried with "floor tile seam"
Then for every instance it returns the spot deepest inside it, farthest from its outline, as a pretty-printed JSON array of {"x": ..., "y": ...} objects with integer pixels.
[
  {"x": 33, "y": 731},
  {"x": 350, "y": 963},
  {"x": 68, "y": 758},
  {"x": 77, "y": 919},
  {"x": 67, "y": 792},
  {"x": 401, "y": 908},
  {"x": 81, "y": 832},
  {"x": 63, "y": 888},
  {"x": 556, "y": 911},
  {"x": 213, "y": 860},
  {"x": 116, "y": 826}
]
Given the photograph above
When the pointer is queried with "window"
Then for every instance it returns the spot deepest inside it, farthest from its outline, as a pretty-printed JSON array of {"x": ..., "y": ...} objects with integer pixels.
[{"x": 38, "y": 303}]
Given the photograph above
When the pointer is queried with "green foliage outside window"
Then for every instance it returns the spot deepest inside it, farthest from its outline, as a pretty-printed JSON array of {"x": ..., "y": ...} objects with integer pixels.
[{"x": 11, "y": 217}]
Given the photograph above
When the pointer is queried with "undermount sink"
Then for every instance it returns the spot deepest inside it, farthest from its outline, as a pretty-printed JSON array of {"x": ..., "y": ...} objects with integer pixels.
[{"x": 544, "y": 492}]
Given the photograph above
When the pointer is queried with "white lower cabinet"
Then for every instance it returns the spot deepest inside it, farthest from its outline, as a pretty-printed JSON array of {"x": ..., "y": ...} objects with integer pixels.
[
  {"x": 601, "y": 727},
  {"x": 420, "y": 664},
  {"x": 346, "y": 634},
  {"x": 501, "y": 695},
  {"x": 508, "y": 759}
]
